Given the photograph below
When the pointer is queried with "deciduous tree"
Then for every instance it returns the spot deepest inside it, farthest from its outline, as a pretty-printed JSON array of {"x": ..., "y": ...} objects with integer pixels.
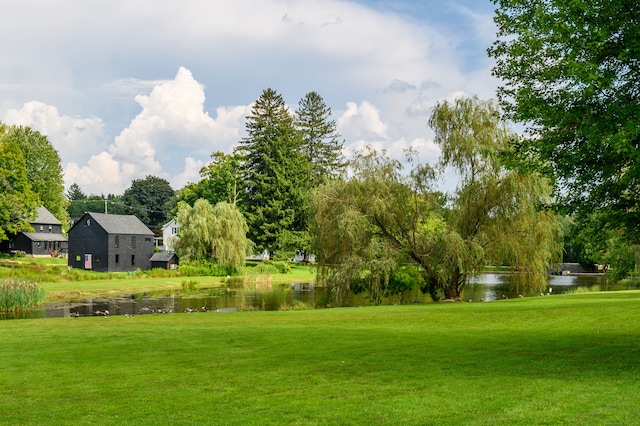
[
  {"x": 17, "y": 201},
  {"x": 570, "y": 71},
  {"x": 150, "y": 199},
  {"x": 212, "y": 232},
  {"x": 369, "y": 225},
  {"x": 44, "y": 169},
  {"x": 220, "y": 181}
]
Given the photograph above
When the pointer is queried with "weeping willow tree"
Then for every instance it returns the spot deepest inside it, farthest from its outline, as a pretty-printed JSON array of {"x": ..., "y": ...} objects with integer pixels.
[
  {"x": 213, "y": 232},
  {"x": 381, "y": 219}
]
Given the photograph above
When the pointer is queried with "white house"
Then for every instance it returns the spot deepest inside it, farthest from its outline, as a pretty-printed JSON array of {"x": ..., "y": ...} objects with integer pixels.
[{"x": 169, "y": 235}]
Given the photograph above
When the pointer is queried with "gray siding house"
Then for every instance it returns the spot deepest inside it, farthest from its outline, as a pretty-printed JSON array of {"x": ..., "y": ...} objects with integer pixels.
[
  {"x": 46, "y": 238},
  {"x": 110, "y": 243}
]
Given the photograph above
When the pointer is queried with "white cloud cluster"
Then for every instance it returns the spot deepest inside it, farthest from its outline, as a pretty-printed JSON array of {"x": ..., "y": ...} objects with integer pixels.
[
  {"x": 74, "y": 138},
  {"x": 92, "y": 67},
  {"x": 171, "y": 129}
]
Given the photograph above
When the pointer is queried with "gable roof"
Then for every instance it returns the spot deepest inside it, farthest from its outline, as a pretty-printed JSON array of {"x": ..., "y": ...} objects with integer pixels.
[
  {"x": 163, "y": 256},
  {"x": 117, "y": 223},
  {"x": 45, "y": 217},
  {"x": 169, "y": 224}
]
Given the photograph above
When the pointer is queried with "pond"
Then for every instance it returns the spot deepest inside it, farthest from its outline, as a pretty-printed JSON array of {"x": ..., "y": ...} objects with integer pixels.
[{"x": 482, "y": 288}]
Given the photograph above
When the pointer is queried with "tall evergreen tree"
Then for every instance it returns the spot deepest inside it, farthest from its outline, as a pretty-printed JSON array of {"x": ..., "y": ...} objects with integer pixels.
[
  {"x": 321, "y": 143},
  {"x": 275, "y": 175}
]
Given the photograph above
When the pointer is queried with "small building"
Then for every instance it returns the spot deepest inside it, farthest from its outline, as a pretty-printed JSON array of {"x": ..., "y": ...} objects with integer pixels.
[
  {"x": 46, "y": 238},
  {"x": 169, "y": 235},
  {"x": 164, "y": 260},
  {"x": 110, "y": 243}
]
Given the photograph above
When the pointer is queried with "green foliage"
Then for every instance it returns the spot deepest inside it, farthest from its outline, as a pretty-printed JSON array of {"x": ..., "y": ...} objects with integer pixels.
[
  {"x": 321, "y": 143},
  {"x": 150, "y": 199},
  {"x": 220, "y": 181},
  {"x": 275, "y": 173},
  {"x": 17, "y": 295},
  {"x": 17, "y": 199},
  {"x": 212, "y": 233},
  {"x": 282, "y": 267},
  {"x": 570, "y": 72},
  {"x": 379, "y": 220},
  {"x": 189, "y": 285},
  {"x": 265, "y": 269},
  {"x": 44, "y": 169}
]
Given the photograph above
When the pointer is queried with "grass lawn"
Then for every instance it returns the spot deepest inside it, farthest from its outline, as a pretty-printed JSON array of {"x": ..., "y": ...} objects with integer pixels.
[{"x": 571, "y": 359}]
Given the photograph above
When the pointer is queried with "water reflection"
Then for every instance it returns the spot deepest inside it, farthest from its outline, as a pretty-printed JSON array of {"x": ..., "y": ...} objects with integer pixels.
[{"x": 484, "y": 287}]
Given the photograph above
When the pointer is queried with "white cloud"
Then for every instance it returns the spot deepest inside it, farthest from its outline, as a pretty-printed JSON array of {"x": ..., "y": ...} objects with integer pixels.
[
  {"x": 362, "y": 122},
  {"x": 74, "y": 138},
  {"x": 172, "y": 122},
  {"x": 381, "y": 73}
]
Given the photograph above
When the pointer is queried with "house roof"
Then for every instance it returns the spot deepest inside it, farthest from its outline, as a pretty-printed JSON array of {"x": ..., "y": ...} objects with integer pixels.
[
  {"x": 44, "y": 236},
  {"x": 169, "y": 224},
  {"x": 163, "y": 256},
  {"x": 117, "y": 223},
  {"x": 45, "y": 217}
]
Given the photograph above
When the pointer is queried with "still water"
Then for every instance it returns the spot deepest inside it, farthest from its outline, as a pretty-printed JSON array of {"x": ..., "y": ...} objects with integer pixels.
[{"x": 482, "y": 288}]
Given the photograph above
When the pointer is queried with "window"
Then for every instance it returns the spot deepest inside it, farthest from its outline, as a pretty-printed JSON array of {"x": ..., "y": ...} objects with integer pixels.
[
  {"x": 117, "y": 259},
  {"x": 133, "y": 242},
  {"x": 41, "y": 228},
  {"x": 88, "y": 222},
  {"x": 78, "y": 258},
  {"x": 117, "y": 241},
  {"x": 50, "y": 228},
  {"x": 133, "y": 259}
]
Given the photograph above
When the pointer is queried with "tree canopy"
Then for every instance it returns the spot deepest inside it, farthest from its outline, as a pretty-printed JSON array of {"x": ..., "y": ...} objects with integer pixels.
[
  {"x": 212, "y": 232},
  {"x": 321, "y": 143},
  {"x": 571, "y": 73},
  {"x": 44, "y": 169},
  {"x": 221, "y": 180},
  {"x": 380, "y": 219},
  {"x": 17, "y": 200},
  {"x": 275, "y": 175},
  {"x": 150, "y": 199}
]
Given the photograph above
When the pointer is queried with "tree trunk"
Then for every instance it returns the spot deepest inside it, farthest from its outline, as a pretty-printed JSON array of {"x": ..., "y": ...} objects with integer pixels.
[{"x": 453, "y": 291}]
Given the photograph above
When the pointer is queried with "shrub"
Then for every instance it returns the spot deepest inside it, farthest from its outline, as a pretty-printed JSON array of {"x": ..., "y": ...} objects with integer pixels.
[
  {"x": 16, "y": 295},
  {"x": 189, "y": 284}
]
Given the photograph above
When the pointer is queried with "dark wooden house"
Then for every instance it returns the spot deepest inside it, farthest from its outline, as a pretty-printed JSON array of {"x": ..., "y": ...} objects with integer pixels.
[
  {"x": 46, "y": 238},
  {"x": 110, "y": 242},
  {"x": 164, "y": 260}
]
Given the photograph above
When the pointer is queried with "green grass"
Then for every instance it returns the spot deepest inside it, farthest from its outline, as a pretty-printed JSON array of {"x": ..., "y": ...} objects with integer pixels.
[{"x": 571, "y": 359}]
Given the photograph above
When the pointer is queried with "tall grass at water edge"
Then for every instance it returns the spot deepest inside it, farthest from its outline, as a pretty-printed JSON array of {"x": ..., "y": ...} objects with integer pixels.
[{"x": 16, "y": 295}]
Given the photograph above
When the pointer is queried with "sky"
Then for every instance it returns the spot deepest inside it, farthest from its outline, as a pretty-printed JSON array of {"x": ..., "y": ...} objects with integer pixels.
[{"x": 124, "y": 89}]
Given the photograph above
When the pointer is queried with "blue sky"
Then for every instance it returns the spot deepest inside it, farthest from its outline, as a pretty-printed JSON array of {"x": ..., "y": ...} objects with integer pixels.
[{"x": 127, "y": 88}]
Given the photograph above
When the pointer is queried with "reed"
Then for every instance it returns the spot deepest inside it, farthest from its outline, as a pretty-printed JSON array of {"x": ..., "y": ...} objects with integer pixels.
[{"x": 17, "y": 295}]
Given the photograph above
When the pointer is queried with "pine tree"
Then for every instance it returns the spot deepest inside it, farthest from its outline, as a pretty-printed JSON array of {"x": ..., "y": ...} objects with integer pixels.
[
  {"x": 276, "y": 176},
  {"x": 321, "y": 143}
]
